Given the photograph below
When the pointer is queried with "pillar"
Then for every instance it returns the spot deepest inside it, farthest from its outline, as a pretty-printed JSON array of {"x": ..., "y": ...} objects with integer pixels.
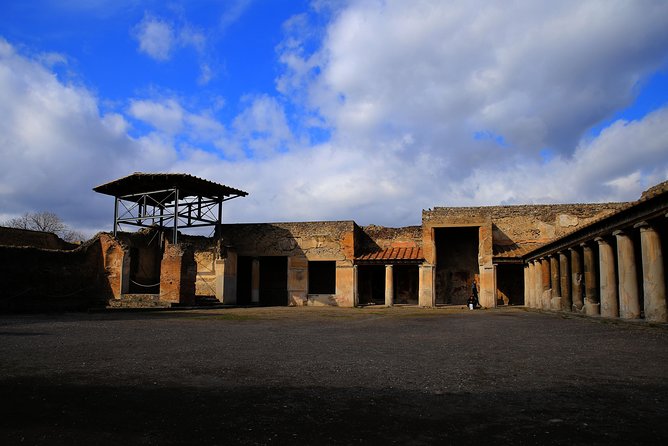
[
  {"x": 546, "y": 295},
  {"x": 653, "y": 275},
  {"x": 608, "y": 279},
  {"x": 565, "y": 280},
  {"x": 356, "y": 297},
  {"x": 426, "y": 286},
  {"x": 389, "y": 286},
  {"x": 629, "y": 302},
  {"x": 591, "y": 303},
  {"x": 528, "y": 285},
  {"x": 538, "y": 284},
  {"x": 255, "y": 281},
  {"x": 555, "y": 283},
  {"x": 576, "y": 280}
]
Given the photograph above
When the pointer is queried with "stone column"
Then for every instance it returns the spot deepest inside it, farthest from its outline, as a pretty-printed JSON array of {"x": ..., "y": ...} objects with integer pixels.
[
  {"x": 608, "y": 279},
  {"x": 653, "y": 275},
  {"x": 555, "y": 281},
  {"x": 389, "y": 286},
  {"x": 546, "y": 296},
  {"x": 255, "y": 281},
  {"x": 426, "y": 286},
  {"x": 528, "y": 285},
  {"x": 629, "y": 302},
  {"x": 356, "y": 297},
  {"x": 576, "y": 280},
  {"x": 565, "y": 282},
  {"x": 591, "y": 304},
  {"x": 538, "y": 284}
]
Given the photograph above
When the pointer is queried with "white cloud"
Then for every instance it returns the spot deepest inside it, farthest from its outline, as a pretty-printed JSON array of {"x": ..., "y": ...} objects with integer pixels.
[
  {"x": 166, "y": 115},
  {"x": 156, "y": 37}
]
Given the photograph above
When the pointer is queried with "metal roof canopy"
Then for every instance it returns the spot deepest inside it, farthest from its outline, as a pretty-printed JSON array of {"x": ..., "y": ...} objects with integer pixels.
[{"x": 167, "y": 200}]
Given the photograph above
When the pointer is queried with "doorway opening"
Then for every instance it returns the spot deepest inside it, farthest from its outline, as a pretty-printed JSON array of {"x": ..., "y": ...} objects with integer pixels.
[
  {"x": 456, "y": 263},
  {"x": 273, "y": 281},
  {"x": 371, "y": 284}
]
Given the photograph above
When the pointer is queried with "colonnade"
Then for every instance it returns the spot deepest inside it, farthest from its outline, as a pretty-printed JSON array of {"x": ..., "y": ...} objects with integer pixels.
[{"x": 612, "y": 275}]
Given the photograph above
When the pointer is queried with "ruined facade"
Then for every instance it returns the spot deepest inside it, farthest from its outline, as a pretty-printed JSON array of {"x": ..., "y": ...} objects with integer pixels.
[{"x": 561, "y": 257}]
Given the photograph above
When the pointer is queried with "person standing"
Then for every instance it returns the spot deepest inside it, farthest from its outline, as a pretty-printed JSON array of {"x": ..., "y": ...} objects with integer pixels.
[{"x": 474, "y": 294}]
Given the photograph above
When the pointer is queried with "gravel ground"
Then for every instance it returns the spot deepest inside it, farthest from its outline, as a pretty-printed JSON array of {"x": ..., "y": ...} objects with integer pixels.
[{"x": 331, "y": 376}]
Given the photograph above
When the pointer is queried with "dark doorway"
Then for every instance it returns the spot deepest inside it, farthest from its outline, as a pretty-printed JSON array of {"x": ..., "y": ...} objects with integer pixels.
[
  {"x": 406, "y": 284},
  {"x": 145, "y": 258},
  {"x": 456, "y": 263},
  {"x": 371, "y": 284},
  {"x": 273, "y": 281},
  {"x": 510, "y": 284},
  {"x": 322, "y": 277},
  {"x": 244, "y": 280}
]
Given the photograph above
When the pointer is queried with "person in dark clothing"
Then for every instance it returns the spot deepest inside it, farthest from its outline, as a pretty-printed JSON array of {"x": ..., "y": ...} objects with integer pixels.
[{"x": 474, "y": 295}]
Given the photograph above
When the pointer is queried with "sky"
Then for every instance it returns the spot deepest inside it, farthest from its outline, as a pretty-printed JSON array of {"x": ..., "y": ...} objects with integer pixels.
[{"x": 333, "y": 110}]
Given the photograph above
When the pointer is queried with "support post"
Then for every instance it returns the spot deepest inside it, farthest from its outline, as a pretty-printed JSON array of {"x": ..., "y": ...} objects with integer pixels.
[
  {"x": 546, "y": 295},
  {"x": 608, "y": 280},
  {"x": 555, "y": 282},
  {"x": 389, "y": 285},
  {"x": 255, "y": 281},
  {"x": 592, "y": 304},
  {"x": 538, "y": 284},
  {"x": 565, "y": 280},
  {"x": 176, "y": 215},
  {"x": 653, "y": 275},
  {"x": 629, "y": 302},
  {"x": 115, "y": 215},
  {"x": 576, "y": 280}
]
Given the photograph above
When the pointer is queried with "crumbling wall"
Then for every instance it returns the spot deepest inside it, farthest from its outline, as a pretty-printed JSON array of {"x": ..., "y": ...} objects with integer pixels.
[
  {"x": 300, "y": 243},
  {"x": 178, "y": 274},
  {"x": 206, "y": 258},
  {"x": 35, "y": 279},
  {"x": 35, "y": 239},
  {"x": 375, "y": 238},
  {"x": 522, "y": 226}
]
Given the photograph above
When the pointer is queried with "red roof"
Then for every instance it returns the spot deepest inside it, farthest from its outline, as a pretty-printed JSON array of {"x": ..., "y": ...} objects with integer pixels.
[{"x": 392, "y": 254}]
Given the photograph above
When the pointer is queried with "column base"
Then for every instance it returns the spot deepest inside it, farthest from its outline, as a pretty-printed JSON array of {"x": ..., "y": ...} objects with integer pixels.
[
  {"x": 592, "y": 309},
  {"x": 555, "y": 303}
]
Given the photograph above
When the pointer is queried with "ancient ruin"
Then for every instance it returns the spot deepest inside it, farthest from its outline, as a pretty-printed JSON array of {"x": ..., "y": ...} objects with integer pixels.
[{"x": 601, "y": 259}]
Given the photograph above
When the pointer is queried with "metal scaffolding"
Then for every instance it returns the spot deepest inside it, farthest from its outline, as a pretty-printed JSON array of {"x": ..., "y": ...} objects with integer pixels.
[{"x": 167, "y": 201}]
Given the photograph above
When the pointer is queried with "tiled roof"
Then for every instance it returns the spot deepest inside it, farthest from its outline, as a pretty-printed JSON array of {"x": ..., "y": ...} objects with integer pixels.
[{"x": 396, "y": 254}]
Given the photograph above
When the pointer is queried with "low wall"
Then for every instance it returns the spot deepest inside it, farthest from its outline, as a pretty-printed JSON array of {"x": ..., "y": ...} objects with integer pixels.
[{"x": 36, "y": 279}]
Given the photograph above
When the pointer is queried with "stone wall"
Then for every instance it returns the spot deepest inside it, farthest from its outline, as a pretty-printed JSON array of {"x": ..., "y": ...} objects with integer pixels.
[
  {"x": 35, "y": 279},
  {"x": 522, "y": 226},
  {"x": 35, "y": 239},
  {"x": 300, "y": 243},
  {"x": 374, "y": 238}
]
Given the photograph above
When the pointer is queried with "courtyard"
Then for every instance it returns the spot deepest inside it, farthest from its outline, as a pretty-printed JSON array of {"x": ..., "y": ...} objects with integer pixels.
[{"x": 310, "y": 375}]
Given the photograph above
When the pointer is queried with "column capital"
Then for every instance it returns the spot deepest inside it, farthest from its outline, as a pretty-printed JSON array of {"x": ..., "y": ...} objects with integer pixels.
[
  {"x": 585, "y": 245},
  {"x": 642, "y": 225},
  {"x": 619, "y": 232},
  {"x": 572, "y": 248}
]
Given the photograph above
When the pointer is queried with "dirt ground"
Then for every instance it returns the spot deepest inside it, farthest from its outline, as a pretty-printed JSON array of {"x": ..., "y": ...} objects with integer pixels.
[{"x": 331, "y": 376}]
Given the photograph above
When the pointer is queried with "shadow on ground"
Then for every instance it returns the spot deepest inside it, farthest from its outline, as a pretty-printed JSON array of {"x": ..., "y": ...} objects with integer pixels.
[{"x": 35, "y": 411}]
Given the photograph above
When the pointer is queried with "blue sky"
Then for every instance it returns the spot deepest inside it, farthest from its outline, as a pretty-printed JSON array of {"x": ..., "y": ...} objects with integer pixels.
[{"x": 364, "y": 110}]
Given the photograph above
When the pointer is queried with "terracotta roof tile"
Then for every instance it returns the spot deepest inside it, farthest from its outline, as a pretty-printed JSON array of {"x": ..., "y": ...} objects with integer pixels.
[{"x": 411, "y": 253}]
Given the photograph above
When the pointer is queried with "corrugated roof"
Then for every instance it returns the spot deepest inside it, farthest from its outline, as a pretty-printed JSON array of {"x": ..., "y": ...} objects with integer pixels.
[
  {"x": 392, "y": 254},
  {"x": 188, "y": 185}
]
